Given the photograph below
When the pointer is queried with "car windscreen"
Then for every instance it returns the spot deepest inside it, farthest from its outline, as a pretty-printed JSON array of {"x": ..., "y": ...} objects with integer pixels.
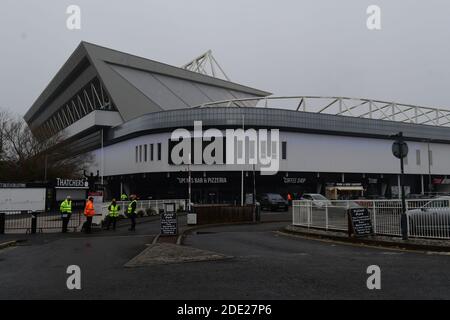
[
  {"x": 437, "y": 203},
  {"x": 318, "y": 197},
  {"x": 274, "y": 196}
]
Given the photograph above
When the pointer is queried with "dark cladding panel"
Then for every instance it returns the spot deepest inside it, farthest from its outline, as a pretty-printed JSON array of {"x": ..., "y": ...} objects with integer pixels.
[{"x": 85, "y": 144}]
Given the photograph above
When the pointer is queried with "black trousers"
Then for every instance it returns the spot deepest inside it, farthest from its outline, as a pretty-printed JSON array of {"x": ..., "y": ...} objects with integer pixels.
[
  {"x": 133, "y": 221},
  {"x": 112, "y": 220},
  {"x": 65, "y": 223},
  {"x": 88, "y": 225}
]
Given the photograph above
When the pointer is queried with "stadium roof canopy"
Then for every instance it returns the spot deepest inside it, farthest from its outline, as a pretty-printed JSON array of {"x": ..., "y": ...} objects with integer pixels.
[
  {"x": 351, "y": 107},
  {"x": 98, "y": 86}
]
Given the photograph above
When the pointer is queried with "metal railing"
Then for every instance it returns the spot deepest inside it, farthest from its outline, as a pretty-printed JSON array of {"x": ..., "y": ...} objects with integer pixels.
[
  {"x": 48, "y": 222},
  {"x": 427, "y": 218},
  {"x": 146, "y": 207},
  {"x": 37, "y": 222}
]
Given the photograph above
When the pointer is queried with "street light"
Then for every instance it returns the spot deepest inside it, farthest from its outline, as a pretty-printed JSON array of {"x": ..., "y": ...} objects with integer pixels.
[
  {"x": 430, "y": 184},
  {"x": 46, "y": 156},
  {"x": 189, "y": 185}
]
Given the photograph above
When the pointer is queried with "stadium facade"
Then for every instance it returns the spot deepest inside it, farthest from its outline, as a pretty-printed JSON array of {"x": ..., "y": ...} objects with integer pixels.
[{"x": 122, "y": 109}]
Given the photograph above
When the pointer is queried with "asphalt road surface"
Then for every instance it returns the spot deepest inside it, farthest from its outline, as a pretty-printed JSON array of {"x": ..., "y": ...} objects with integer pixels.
[{"x": 264, "y": 265}]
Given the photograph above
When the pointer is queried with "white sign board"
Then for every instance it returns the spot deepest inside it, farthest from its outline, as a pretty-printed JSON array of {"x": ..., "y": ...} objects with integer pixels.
[{"x": 22, "y": 199}]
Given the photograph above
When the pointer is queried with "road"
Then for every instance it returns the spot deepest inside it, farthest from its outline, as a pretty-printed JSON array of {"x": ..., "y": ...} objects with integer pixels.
[{"x": 264, "y": 265}]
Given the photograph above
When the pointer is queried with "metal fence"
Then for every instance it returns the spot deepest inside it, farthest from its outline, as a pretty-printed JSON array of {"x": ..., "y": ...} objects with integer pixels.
[
  {"x": 427, "y": 218},
  {"x": 48, "y": 222},
  {"x": 37, "y": 222},
  {"x": 147, "y": 207}
]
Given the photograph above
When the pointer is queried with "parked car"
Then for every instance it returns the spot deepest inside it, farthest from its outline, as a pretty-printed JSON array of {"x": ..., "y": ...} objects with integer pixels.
[
  {"x": 273, "y": 202},
  {"x": 318, "y": 200},
  {"x": 436, "y": 205},
  {"x": 431, "y": 218}
]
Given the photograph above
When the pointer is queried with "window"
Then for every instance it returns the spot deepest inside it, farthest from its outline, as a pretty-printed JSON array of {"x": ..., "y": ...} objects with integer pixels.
[
  {"x": 136, "y": 153},
  {"x": 263, "y": 150},
  {"x": 284, "y": 150},
  {"x": 418, "y": 157},
  {"x": 251, "y": 149},
  {"x": 159, "y": 151},
  {"x": 151, "y": 152},
  {"x": 239, "y": 149},
  {"x": 145, "y": 152},
  {"x": 430, "y": 157},
  {"x": 140, "y": 153}
]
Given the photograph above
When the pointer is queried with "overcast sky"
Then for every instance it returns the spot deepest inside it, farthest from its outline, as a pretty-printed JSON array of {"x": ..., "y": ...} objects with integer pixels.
[{"x": 298, "y": 47}]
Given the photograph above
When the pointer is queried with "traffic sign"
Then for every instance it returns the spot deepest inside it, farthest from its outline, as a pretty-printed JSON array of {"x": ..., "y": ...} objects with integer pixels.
[{"x": 400, "y": 149}]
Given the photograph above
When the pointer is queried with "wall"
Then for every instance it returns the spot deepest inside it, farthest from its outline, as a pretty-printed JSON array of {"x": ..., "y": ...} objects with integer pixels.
[{"x": 305, "y": 153}]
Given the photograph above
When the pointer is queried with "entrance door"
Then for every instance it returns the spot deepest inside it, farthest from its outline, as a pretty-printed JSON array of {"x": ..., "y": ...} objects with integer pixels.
[{"x": 205, "y": 196}]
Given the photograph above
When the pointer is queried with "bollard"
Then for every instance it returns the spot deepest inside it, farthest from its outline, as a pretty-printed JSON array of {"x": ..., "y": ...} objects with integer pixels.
[
  {"x": 2, "y": 222},
  {"x": 33, "y": 223},
  {"x": 349, "y": 224},
  {"x": 258, "y": 212}
]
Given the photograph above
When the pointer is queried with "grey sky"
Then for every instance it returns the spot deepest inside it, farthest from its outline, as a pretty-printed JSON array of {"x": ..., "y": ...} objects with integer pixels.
[{"x": 314, "y": 47}]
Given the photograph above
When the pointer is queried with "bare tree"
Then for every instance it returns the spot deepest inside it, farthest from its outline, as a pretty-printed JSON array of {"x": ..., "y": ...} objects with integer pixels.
[
  {"x": 24, "y": 158},
  {"x": 4, "y": 120}
]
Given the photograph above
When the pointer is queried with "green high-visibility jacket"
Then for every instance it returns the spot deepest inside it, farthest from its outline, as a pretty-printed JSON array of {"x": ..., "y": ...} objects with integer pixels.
[
  {"x": 66, "y": 206},
  {"x": 132, "y": 207},
  {"x": 114, "y": 210}
]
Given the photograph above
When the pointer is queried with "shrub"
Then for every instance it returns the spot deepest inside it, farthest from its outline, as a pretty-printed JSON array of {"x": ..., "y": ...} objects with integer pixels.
[{"x": 140, "y": 213}]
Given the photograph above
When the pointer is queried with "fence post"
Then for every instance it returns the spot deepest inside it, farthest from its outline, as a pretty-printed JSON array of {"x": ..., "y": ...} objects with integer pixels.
[
  {"x": 374, "y": 210},
  {"x": 33, "y": 222},
  {"x": 326, "y": 216},
  {"x": 407, "y": 217},
  {"x": 293, "y": 212},
  {"x": 2, "y": 222},
  {"x": 309, "y": 213}
]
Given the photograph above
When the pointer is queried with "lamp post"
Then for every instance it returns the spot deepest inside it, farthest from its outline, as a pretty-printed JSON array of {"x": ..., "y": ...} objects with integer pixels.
[
  {"x": 254, "y": 194},
  {"x": 430, "y": 184},
  {"x": 400, "y": 150},
  {"x": 46, "y": 158},
  {"x": 243, "y": 155},
  {"x": 45, "y": 166},
  {"x": 189, "y": 185}
]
